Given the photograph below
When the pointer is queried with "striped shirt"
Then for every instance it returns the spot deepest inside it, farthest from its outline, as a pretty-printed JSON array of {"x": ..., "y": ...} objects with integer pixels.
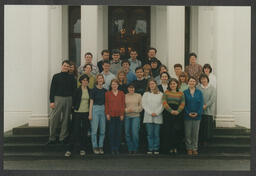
[{"x": 176, "y": 98}]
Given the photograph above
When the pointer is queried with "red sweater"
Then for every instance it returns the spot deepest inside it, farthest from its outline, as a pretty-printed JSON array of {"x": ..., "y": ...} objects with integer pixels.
[{"x": 114, "y": 105}]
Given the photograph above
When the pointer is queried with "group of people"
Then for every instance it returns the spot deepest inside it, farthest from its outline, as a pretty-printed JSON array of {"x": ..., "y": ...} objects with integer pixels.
[{"x": 137, "y": 98}]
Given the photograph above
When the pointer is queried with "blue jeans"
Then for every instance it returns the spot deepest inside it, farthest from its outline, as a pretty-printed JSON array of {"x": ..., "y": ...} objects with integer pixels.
[
  {"x": 98, "y": 120},
  {"x": 132, "y": 127},
  {"x": 115, "y": 133},
  {"x": 153, "y": 136}
]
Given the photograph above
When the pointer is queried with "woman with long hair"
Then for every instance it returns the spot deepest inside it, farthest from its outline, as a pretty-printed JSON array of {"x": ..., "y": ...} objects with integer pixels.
[
  {"x": 147, "y": 71},
  {"x": 183, "y": 81},
  {"x": 173, "y": 102},
  {"x": 121, "y": 77},
  {"x": 152, "y": 104}
]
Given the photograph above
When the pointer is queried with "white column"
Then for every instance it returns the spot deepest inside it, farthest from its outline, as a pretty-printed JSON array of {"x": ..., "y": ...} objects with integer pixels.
[
  {"x": 202, "y": 35},
  {"x": 39, "y": 54},
  {"x": 242, "y": 56},
  {"x": 89, "y": 32},
  {"x": 158, "y": 32},
  {"x": 224, "y": 34},
  {"x": 175, "y": 36}
]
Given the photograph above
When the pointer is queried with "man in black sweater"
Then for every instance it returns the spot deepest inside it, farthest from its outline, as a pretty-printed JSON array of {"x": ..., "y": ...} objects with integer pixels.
[
  {"x": 62, "y": 88},
  {"x": 141, "y": 83},
  {"x": 151, "y": 52}
]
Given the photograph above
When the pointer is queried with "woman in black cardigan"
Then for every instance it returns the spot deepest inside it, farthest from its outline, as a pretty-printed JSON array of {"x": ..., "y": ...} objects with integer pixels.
[{"x": 80, "y": 121}]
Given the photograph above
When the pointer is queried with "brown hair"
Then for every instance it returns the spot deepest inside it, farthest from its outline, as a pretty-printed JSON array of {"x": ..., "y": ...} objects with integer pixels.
[
  {"x": 173, "y": 80},
  {"x": 75, "y": 72},
  {"x": 113, "y": 80},
  {"x": 147, "y": 67},
  {"x": 194, "y": 78},
  {"x": 117, "y": 76},
  {"x": 98, "y": 75},
  {"x": 203, "y": 75},
  {"x": 177, "y": 65},
  {"x": 183, "y": 74},
  {"x": 156, "y": 91}
]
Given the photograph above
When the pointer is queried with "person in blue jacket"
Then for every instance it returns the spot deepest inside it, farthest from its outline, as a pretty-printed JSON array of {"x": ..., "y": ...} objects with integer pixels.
[{"x": 193, "y": 111}]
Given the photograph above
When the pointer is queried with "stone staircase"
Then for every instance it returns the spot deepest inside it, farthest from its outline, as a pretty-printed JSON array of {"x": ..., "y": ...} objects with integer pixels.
[{"x": 30, "y": 142}]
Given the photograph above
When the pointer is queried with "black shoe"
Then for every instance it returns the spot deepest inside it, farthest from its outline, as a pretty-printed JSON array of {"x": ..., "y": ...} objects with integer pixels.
[
  {"x": 64, "y": 142},
  {"x": 51, "y": 142}
]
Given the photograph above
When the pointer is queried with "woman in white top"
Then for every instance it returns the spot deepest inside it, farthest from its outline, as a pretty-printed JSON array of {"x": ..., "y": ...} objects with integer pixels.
[
  {"x": 207, "y": 69},
  {"x": 152, "y": 104}
]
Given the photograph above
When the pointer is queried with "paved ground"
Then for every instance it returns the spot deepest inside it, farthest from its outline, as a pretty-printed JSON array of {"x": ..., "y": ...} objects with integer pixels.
[{"x": 126, "y": 162}]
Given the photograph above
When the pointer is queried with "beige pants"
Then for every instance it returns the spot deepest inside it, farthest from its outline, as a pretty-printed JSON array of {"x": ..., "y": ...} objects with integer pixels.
[{"x": 62, "y": 107}]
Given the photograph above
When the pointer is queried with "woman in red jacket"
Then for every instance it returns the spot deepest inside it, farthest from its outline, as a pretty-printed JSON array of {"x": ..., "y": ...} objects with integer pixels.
[{"x": 114, "y": 109}]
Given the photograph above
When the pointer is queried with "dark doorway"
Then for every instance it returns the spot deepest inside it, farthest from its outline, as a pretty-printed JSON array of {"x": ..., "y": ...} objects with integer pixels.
[
  {"x": 187, "y": 35},
  {"x": 129, "y": 27},
  {"x": 74, "y": 20}
]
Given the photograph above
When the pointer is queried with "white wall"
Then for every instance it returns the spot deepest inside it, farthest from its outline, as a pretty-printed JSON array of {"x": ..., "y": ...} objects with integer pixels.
[{"x": 17, "y": 66}]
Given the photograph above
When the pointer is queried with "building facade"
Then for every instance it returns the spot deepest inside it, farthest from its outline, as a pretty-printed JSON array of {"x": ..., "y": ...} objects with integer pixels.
[{"x": 37, "y": 40}]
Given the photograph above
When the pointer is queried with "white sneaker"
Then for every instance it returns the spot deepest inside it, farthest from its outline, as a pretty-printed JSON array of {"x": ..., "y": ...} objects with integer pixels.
[
  {"x": 149, "y": 152},
  {"x": 101, "y": 151},
  {"x": 96, "y": 151},
  {"x": 156, "y": 152},
  {"x": 82, "y": 152},
  {"x": 67, "y": 154}
]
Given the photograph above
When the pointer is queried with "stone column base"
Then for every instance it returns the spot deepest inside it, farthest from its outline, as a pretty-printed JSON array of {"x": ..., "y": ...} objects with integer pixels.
[
  {"x": 225, "y": 121},
  {"x": 38, "y": 120}
]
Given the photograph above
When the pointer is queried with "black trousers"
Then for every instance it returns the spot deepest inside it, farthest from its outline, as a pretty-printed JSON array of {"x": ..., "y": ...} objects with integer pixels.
[
  {"x": 206, "y": 128},
  {"x": 142, "y": 134},
  {"x": 172, "y": 132},
  {"x": 79, "y": 134}
]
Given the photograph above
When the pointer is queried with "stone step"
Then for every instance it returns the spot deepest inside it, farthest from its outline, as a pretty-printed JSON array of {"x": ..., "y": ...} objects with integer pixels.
[
  {"x": 42, "y": 147},
  {"x": 227, "y": 148},
  {"x": 30, "y": 147},
  {"x": 60, "y": 156},
  {"x": 232, "y": 131},
  {"x": 25, "y": 139},
  {"x": 231, "y": 139},
  {"x": 26, "y": 130}
]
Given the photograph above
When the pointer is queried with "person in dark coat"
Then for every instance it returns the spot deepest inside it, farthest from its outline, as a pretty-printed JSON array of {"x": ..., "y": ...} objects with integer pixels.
[{"x": 81, "y": 124}]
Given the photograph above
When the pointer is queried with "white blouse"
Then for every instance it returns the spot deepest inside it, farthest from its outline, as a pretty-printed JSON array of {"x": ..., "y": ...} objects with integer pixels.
[
  {"x": 152, "y": 103},
  {"x": 212, "y": 80}
]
